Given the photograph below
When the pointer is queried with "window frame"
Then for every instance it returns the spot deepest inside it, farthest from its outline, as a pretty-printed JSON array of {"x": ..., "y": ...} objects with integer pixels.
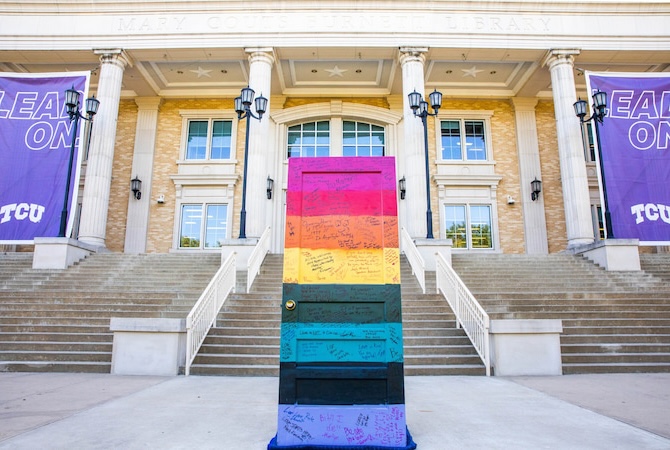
[
  {"x": 462, "y": 117},
  {"x": 361, "y": 133},
  {"x": 203, "y": 226},
  {"x": 316, "y": 144},
  {"x": 469, "y": 238},
  {"x": 210, "y": 116}
]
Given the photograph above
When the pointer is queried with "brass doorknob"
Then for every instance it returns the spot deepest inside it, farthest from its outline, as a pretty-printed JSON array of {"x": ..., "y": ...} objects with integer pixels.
[{"x": 290, "y": 305}]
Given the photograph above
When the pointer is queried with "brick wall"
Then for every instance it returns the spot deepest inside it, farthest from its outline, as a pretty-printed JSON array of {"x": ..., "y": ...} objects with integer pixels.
[
  {"x": 552, "y": 190},
  {"x": 121, "y": 176},
  {"x": 168, "y": 140}
]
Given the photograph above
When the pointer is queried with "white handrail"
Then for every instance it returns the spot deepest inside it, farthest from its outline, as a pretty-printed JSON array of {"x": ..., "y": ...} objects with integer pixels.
[
  {"x": 257, "y": 256},
  {"x": 469, "y": 313},
  {"x": 414, "y": 258},
  {"x": 204, "y": 312}
]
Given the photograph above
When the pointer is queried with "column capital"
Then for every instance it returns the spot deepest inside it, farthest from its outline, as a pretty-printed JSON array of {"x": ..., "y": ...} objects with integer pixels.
[
  {"x": 524, "y": 103},
  {"x": 260, "y": 54},
  {"x": 412, "y": 54},
  {"x": 114, "y": 56},
  {"x": 560, "y": 56},
  {"x": 150, "y": 103}
]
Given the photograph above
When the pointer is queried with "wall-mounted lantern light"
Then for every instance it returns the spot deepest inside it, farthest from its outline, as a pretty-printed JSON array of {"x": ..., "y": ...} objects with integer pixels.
[
  {"x": 402, "y": 186},
  {"x": 536, "y": 188},
  {"x": 270, "y": 185},
  {"x": 136, "y": 187}
]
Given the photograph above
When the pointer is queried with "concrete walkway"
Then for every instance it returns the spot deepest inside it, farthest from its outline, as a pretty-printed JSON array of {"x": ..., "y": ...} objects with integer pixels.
[{"x": 86, "y": 411}]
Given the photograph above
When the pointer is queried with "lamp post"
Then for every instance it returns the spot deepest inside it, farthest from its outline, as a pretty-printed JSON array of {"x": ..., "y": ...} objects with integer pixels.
[
  {"x": 72, "y": 104},
  {"x": 420, "y": 109},
  {"x": 599, "y": 109},
  {"x": 243, "y": 110}
]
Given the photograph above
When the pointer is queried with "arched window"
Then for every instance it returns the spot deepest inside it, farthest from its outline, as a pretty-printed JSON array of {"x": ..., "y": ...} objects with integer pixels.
[{"x": 310, "y": 139}]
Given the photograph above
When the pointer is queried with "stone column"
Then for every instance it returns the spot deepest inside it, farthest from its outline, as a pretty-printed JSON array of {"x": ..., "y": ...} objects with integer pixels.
[
  {"x": 137, "y": 221},
  {"x": 534, "y": 222},
  {"x": 260, "y": 78},
  {"x": 412, "y": 61},
  {"x": 95, "y": 203},
  {"x": 571, "y": 154}
]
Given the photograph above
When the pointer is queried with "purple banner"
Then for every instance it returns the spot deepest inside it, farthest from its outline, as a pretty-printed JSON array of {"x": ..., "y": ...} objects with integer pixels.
[
  {"x": 635, "y": 140},
  {"x": 35, "y": 141}
]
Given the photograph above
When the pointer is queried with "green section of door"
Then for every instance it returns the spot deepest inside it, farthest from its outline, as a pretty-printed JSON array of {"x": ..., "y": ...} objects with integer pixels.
[{"x": 342, "y": 303}]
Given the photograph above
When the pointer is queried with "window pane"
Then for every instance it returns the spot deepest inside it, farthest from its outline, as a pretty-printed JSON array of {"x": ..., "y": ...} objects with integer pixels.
[
  {"x": 456, "y": 230},
  {"x": 305, "y": 141},
  {"x": 349, "y": 126},
  {"x": 190, "y": 226},
  {"x": 196, "y": 145},
  {"x": 451, "y": 140},
  {"x": 293, "y": 138},
  {"x": 221, "y": 135},
  {"x": 377, "y": 138},
  {"x": 474, "y": 140},
  {"x": 349, "y": 138},
  {"x": 480, "y": 226},
  {"x": 349, "y": 151},
  {"x": 217, "y": 224}
]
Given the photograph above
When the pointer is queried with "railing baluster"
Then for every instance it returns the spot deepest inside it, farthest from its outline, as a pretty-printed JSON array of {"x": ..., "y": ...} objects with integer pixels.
[
  {"x": 469, "y": 313},
  {"x": 414, "y": 258},
  {"x": 204, "y": 312}
]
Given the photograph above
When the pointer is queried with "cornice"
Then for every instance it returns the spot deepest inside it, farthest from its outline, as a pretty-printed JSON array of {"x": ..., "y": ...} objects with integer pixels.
[{"x": 311, "y": 6}]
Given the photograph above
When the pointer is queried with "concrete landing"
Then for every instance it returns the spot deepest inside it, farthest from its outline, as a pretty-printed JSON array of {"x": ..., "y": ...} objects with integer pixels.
[{"x": 91, "y": 411}]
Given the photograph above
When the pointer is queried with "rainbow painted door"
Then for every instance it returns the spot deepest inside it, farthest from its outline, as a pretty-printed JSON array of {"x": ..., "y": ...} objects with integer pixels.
[{"x": 341, "y": 359}]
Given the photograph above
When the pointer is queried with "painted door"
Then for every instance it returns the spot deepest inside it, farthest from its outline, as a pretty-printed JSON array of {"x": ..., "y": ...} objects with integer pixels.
[{"x": 341, "y": 369}]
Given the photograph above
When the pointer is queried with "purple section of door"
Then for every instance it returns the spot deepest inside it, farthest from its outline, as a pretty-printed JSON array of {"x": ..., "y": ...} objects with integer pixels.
[{"x": 355, "y": 425}]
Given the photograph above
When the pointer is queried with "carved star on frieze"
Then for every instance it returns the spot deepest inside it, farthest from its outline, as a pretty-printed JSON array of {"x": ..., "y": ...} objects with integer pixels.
[
  {"x": 336, "y": 72},
  {"x": 471, "y": 72},
  {"x": 202, "y": 72}
]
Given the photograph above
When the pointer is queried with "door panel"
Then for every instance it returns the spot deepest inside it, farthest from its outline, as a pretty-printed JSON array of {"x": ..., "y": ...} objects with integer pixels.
[{"x": 341, "y": 334}]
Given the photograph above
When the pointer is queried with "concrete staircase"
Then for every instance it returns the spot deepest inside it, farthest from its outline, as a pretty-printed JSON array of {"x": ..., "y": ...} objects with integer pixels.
[
  {"x": 613, "y": 321},
  {"x": 245, "y": 340},
  {"x": 59, "y": 320}
]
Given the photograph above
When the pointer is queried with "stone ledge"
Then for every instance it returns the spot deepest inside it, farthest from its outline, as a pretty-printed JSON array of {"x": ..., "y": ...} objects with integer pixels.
[
  {"x": 155, "y": 325},
  {"x": 526, "y": 347},
  {"x": 613, "y": 254},
  {"x": 148, "y": 346},
  {"x": 526, "y": 326},
  {"x": 59, "y": 252}
]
